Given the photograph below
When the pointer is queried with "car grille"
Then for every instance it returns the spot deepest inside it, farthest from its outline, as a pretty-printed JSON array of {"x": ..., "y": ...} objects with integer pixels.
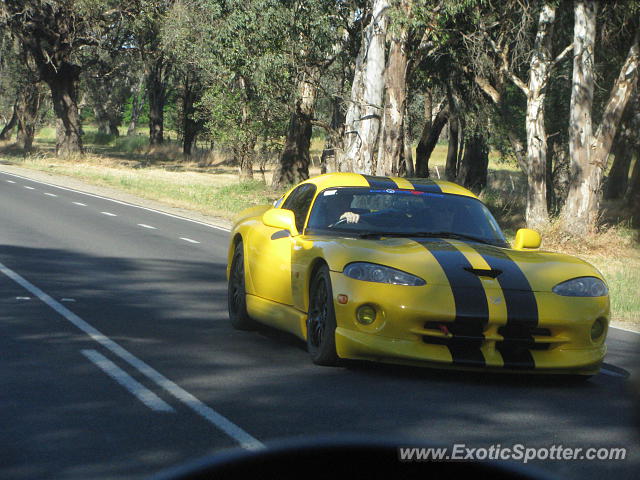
[
  {"x": 512, "y": 338},
  {"x": 522, "y": 337}
]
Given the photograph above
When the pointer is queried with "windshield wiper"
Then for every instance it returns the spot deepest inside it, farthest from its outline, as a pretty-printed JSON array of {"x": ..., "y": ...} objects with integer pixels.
[{"x": 460, "y": 236}]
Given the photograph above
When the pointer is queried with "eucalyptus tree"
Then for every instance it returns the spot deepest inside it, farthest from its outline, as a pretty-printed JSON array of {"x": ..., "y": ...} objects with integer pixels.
[
  {"x": 505, "y": 46},
  {"x": 316, "y": 35},
  {"x": 362, "y": 123},
  {"x": 145, "y": 27},
  {"x": 20, "y": 82},
  {"x": 108, "y": 76},
  {"x": 242, "y": 56},
  {"x": 626, "y": 143},
  {"x": 8, "y": 85},
  {"x": 180, "y": 42},
  {"x": 53, "y": 32},
  {"x": 589, "y": 150},
  {"x": 391, "y": 151}
]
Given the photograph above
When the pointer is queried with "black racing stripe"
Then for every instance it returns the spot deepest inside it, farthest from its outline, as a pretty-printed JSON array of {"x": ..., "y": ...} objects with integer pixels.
[
  {"x": 425, "y": 185},
  {"x": 472, "y": 310},
  {"x": 522, "y": 309},
  {"x": 381, "y": 183}
]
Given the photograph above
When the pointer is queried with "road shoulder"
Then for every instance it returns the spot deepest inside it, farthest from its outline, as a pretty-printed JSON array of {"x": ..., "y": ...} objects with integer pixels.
[{"x": 113, "y": 193}]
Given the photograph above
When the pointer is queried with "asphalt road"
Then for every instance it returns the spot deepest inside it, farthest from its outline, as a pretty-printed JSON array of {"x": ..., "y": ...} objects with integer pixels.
[{"x": 117, "y": 360}]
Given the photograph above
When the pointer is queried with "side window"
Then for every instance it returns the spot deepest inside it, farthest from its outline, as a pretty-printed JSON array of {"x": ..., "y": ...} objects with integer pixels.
[{"x": 299, "y": 202}]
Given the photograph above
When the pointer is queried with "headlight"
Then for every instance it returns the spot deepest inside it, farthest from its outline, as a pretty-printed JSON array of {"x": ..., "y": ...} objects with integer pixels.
[
  {"x": 372, "y": 272},
  {"x": 582, "y": 287}
]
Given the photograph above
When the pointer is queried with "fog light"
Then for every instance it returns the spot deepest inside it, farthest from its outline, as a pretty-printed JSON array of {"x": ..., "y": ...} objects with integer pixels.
[
  {"x": 597, "y": 329},
  {"x": 366, "y": 314}
]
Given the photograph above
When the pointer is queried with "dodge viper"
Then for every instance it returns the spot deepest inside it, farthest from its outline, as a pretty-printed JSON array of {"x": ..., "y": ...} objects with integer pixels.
[{"x": 412, "y": 271}]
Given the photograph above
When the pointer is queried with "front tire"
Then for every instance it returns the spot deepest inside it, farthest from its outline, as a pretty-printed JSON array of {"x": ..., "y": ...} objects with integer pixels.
[
  {"x": 321, "y": 320},
  {"x": 236, "y": 293}
]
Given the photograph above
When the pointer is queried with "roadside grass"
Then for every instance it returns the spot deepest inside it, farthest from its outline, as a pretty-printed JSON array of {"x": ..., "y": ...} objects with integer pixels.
[
  {"x": 220, "y": 194},
  {"x": 207, "y": 183},
  {"x": 623, "y": 278}
]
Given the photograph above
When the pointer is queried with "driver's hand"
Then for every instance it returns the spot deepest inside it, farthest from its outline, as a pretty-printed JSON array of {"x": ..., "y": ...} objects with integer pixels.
[{"x": 350, "y": 217}]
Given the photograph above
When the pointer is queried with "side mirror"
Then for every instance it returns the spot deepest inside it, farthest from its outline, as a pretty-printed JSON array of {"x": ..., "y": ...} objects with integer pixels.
[
  {"x": 280, "y": 218},
  {"x": 527, "y": 239}
]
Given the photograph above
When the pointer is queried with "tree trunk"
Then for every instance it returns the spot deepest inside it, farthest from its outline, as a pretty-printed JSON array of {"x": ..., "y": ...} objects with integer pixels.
[
  {"x": 475, "y": 163},
  {"x": 189, "y": 137},
  {"x": 428, "y": 141},
  {"x": 64, "y": 94},
  {"x": 156, "y": 89},
  {"x": 451, "y": 168},
  {"x": 364, "y": 112},
  {"x": 329, "y": 158},
  {"x": 5, "y": 134},
  {"x": 113, "y": 127},
  {"x": 244, "y": 149},
  {"x": 107, "y": 125},
  {"x": 102, "y": 124},
  {"x": 189, "y": 126},
  {"x": 137, "y": 102},
  {"x": 27, "y": 109},
  {"x": 244, "y": 156},
  {"x": 633, "y": 199},
  {"x": 391, "y": 149},
  {"x": 588, "y": 152},
  {"x": 537, "y": 213},
  {"x": 407, "y": 168},
  {"x": 293, "y": 166},
  {"x": 618, "y": 179}
]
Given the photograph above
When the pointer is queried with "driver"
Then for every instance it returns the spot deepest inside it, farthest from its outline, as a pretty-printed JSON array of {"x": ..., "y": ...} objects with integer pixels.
[{"x": 338, "y": 209}]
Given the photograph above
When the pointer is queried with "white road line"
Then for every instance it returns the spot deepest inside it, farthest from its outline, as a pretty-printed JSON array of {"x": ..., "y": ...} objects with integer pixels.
[
  {"x": 50, "y": 194},
  {"x": 231, "y": 429},
  {"x": 29, "y": 188},
  {"x": 79, "y": 204},
  {"x": 189, "y": 240},
  {"x": 109, "y": 214},
  {"x": 10, "y": 181},
  {"x": 146, "y": 226},
  {"x": 138, "y": 390},
  {"x": 224, "y": 229}
]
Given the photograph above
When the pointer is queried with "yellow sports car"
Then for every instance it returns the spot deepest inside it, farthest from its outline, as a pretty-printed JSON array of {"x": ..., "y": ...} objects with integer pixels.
[{"x": 416, "y": 272}]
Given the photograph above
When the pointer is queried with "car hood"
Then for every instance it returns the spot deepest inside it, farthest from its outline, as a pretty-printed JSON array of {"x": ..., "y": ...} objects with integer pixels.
[{"x": 441, "y": 262}]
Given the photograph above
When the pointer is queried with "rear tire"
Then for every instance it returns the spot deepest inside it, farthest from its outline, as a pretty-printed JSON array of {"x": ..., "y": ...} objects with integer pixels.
[
  {"x": 321, "y": 320},
  {"x": 236, "y": 293}
]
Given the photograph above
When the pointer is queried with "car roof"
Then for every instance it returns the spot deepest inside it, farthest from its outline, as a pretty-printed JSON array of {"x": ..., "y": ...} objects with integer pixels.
[{"x": 344, "y": 179}]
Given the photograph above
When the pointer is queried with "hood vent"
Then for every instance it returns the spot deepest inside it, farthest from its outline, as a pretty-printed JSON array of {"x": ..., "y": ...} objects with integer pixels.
[{"x": 481, "y": 272}]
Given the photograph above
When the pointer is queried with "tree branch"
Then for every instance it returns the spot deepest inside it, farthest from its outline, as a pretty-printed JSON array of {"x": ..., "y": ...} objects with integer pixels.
[
  {"x": 561, "y": 55},
  {"x": 504, "y": 67}
]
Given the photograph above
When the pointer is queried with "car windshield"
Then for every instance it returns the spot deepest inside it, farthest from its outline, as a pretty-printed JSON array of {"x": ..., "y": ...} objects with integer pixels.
[{"x": 369, "y": 212}]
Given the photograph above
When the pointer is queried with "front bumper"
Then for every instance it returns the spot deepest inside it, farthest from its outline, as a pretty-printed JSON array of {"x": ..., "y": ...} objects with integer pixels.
[{"x": 411, "y": 327}]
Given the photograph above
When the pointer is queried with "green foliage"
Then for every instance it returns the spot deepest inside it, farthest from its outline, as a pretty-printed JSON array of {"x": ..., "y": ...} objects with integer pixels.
[
  {"x": 249, "y": 55},
  {"x": 143, "y": 118}
]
